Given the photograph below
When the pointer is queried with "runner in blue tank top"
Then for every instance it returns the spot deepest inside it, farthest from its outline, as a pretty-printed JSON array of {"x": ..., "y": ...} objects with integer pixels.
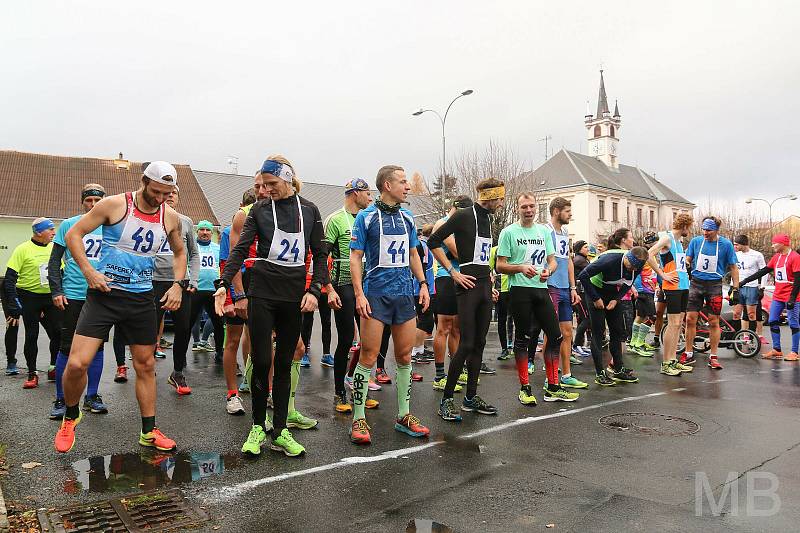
[{"x": 120, "y": 292}]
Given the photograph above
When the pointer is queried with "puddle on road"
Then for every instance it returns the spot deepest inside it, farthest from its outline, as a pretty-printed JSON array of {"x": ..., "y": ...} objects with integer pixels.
[
  {"x": 418, "y": 525},
  {"x": 146, "y": 470}
]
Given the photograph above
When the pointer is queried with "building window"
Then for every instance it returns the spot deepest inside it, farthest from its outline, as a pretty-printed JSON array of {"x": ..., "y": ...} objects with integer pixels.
[
  {"x": 612, "y": 130},
  {"x": 597, "y": 131},
  {"x": 542, "y": 213},
  {"x": 614, "y": 212},
  {"x": 639, "y": 217},
  {"x": 602, "y": 205},
  {"x": 652, "y": 219}
]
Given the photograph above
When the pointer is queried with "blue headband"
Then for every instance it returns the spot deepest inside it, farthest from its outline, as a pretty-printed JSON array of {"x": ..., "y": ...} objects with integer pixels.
[
  {"x": 635, "y": 262},
  {"x": 278, "y": 170},
  {"x": 709, "y": 224},
  {"x": 43, "y": 225}
]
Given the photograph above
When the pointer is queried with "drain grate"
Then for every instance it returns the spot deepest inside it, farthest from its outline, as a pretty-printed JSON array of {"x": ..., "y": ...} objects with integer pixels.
[
  {"x": 650, "y": 424},
  {"x": 147, "y": 511}
]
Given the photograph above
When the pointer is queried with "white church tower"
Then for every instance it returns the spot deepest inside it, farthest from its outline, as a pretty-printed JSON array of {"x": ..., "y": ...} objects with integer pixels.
[{"x": 602, "y": 129}]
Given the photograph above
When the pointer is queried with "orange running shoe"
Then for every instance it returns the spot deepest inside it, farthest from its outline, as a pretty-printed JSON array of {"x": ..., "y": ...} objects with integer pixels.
[
  {"x": 359, "y": 433},
  {"x": 31, "y": 383},
  {"x": 156, "y": 439},
  {"x": 773, "y": 354},
  {"x": 411, "y": 425},
  {"x": 65, "y": 438},
  {"x": 791, "y": 357},
  {"x": 371, "y": 404}
]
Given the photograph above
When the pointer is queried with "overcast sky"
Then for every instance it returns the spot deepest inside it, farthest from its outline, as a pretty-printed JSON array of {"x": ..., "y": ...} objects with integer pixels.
[{"x": 708, "y": 91}]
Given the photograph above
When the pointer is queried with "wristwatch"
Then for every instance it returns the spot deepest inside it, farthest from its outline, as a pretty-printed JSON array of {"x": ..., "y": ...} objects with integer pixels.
[{"x": 183, "y": 284}]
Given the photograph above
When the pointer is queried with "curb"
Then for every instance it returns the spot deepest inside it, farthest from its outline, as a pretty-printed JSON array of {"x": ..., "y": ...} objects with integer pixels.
[{"x": 3, "y": 514}]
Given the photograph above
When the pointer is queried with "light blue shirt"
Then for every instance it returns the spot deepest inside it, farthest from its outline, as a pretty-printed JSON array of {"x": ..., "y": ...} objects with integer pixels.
[{"x": 73, "y": 283}]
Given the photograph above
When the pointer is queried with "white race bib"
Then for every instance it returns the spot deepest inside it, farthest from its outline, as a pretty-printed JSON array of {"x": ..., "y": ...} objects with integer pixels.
[
  {"x": 43, "y": 275},
  {"x": 393, "y": 248},
  {"x": 680, "y": 262},
  {"x": 287, "y": 249},
  {"x": 91, "y": 245},
  {"x": 780, "y": 275},
  {"x": 562, "y": 246}
]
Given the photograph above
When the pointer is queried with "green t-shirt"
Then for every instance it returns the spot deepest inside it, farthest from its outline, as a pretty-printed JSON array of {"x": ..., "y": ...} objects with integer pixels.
[
  {"x": 597, "y": 279},
  {"x": 493, "y": 265},
  {"x": 338, "y": 229},
  {"x": 29, "y": 260},
  {"x": 526, "y": 246}
]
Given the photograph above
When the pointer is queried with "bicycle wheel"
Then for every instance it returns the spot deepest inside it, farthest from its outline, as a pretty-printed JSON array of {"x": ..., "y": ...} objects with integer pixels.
[
  {"x": 746, "y": 343},
  {"x": 681, "y": 338}
]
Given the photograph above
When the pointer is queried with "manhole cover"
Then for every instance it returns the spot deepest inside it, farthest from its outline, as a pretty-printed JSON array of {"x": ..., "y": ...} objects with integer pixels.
[
  {"x": 650, "y": 424},
  {"x": 147, "y": 511}
]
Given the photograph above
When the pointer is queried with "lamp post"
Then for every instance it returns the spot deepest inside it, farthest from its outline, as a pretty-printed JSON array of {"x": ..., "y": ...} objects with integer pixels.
[
  {"x": 443, "y": 120},
  {"x": 787, "y": 197}
]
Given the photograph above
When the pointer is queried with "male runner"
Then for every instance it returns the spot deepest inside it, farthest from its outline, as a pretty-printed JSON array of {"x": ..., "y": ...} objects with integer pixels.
[
  {"x": 120, "y": 294},
  {"x": 645, "y": 285},
  {"x": 472, "y": 230},
  {"x": 68, "y": 289},
  {"x": 526, "y": 252},
  {"x": 785, "y": 268},
  {"x": 203, "y": 297},
  {"x": 749, "y": 262},
  {"x": 671, "y": 268},
  {"x": 338, "y": 234},
  {"x": 562, "y": 288},
  {"x": 27, "y": 294},
  {"x": 710, "y": 257},
  {"x": 385, "y": 234},
  {"x": 505, "y": 322}
]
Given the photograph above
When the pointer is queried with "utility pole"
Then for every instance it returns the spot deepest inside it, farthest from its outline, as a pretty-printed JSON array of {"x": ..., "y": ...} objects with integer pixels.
[{"x": 546, "y": 139}]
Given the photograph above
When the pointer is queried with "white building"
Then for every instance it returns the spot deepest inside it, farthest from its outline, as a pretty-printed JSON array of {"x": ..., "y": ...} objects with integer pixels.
[{"x": 605, "y": 195}]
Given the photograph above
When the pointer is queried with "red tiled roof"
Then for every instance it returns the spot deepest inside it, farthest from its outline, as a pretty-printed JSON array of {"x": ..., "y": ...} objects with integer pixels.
[{"x": 35, "y": 185}]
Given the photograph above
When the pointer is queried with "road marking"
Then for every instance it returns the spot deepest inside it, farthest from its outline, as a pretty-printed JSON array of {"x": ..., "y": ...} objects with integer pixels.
[{"x": 228, "y": 492}]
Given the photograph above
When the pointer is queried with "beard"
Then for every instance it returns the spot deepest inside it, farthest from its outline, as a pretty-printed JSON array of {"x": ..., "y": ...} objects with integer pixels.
[{"x": 150, "y": 199}]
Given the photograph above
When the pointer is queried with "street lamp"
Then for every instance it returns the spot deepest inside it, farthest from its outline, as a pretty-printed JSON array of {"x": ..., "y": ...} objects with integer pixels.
[
  {"x": 443, "y": 120},
  {"x": 787, "y": 197}
]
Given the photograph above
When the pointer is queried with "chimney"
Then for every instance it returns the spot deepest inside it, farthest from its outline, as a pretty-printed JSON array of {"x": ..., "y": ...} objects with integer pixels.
[{"x": 121, "y": 163}]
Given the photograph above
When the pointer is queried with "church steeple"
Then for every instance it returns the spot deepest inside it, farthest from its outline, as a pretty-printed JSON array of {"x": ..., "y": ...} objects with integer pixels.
[{"x": 602, "y": 129}]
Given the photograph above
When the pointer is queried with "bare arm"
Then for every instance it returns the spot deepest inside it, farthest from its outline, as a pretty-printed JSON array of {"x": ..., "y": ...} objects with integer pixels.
[
  {"x": 236, "y": 230},
  {"x": 110, "y": 208},
  {"x": 419, "y": 273}
]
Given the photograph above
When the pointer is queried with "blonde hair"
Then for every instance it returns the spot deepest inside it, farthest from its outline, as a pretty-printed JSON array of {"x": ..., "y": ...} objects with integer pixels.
[
  {"x": 296, "y": 183},
  {"x": 90, "y": 186}
]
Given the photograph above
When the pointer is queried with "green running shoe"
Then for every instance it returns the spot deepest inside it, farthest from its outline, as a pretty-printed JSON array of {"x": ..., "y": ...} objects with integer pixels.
[
  {"x": 505, "y": 355},
  {"x": 560, "y": 395},
  {"x": 286, "y": 444},
  {"x": 574, "y": 360},
  {"x": 572, "y": 382},
  {"x": 668, "y": 368},
  {"x": 463, "y": 377},
  {"x": 439, "y": 384},
  {"x": 641, "y": 352},
  {"x": 683, "y": 368},
  {"x": 296, "y": 419},
  {"x": 526, "y": 396},
  {"x": 254, "y": 440},
  {"x": 604, "y": 380},
  {"x": 649, "y": 347}
]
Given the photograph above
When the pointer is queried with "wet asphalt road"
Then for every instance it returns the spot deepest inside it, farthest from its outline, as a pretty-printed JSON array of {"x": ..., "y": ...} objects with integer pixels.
[{"x": 557, "y": 466}]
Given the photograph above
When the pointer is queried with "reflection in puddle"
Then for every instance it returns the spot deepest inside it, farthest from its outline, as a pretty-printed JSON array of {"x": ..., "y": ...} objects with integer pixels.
[
  {"x": 418, "y": 525},
  {"x": 146, "y": 470}
]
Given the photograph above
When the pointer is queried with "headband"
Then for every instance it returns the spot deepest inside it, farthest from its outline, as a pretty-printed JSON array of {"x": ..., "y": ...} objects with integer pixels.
[
  {"x": 279, "y": 170},
  {"x": 92, "y": 192},
  {"x": 710, "y": 225},
  {"x": 463, "y": 203},
  {"x": 494, "y": 193},
  {"x": 205, "y": 224},
  {"x": 635, "y": 262},
  {"x": 356, "y": 184},
  {"x": 43, "y": 225}
]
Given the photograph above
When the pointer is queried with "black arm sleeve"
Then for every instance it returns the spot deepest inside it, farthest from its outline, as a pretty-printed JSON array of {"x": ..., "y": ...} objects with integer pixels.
[
  {"x": 54, "y": 274},
  {"x": 795, "y": 287},
  {"x": 10, "y": 293},
  {"x": 240, "y": 251},
  {"x": 319, "y": 250},
  {"x": 756, "y": 275}
]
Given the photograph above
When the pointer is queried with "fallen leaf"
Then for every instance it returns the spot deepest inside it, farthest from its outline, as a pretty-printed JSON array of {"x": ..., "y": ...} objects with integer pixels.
[
  {"x": 550, "y": 526},
  {"x": 28, "y": 466}
]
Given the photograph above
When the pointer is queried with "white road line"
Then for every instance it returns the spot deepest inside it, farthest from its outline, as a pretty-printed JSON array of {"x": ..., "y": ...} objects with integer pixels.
[{"x": 228, "y": 492}]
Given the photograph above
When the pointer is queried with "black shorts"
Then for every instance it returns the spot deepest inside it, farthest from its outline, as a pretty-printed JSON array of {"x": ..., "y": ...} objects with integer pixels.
[
  {"x": 446, "y": 303},
  {"x": 69, "y": 321},
  {"x": 704, "y": 293},
  {"x": 133, "y": 314},
  {"x": 424, "y": 318},
  {"x": 645, "y": 305},
  {"x": 676, "y": 301},
  {"x": 661, "y": 297}
]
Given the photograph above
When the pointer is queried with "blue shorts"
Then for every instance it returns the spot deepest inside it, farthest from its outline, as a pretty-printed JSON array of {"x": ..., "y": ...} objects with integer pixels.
[
  {"x": 562, "y": 302},
  {"x": 749, "y": 296},
  {"x": 392, "y": 310}
]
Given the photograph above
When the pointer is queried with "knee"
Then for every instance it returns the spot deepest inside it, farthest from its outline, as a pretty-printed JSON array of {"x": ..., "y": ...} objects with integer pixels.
[
  {"x": 75, "y": 364},
  {"x": 144, "y": 365}
]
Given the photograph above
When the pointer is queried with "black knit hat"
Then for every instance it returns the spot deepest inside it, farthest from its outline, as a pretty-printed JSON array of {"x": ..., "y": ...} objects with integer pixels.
[{"x": 576, "y": 248}]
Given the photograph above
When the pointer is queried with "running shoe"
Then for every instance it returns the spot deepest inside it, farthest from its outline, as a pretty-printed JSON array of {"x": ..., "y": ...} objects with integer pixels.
[
  {"x": 160, "y": 355},
  {"x": 51, "y": 373},
  {"x": 305, "y": 362},
  {"x": 585, "y": 352},
  {"x": 487, "y": 370},
  {"x": 649, "y": 347},
  {"x": 772, "y": 354},
  {"x": 439, "y": 384},
  {"x": 359, "y": 432},
  {"x": 156, "y": 439},
  {"x": 669, "y": 368},
  {"x": 207, "y": 346},
  {"x": 447, "y": 410},
  {"x": 373, "y": 386},
  {"x": 122, "y": 374},
  {"x": 371, "y": 404},
  {"x": 415, "y": 376},
  {"x": 576, "y": 352},
  {"x": 12, "y": 370},
  {"x": 687, "y": 359},
  {"x": 298, "y": 420},
  {"x": 382, "y": 377},
  {"x": 94, "y": 404},
  {"x": 341, "y": 405},
  {"x": 255, "y": 440},
  {"x": 603, "y": 380},
  {"x": 477, "y": 404},
  {"x": 244, "y": 387},
  {"x": 572, "y": 382},
  {"x": 791, "y": 357},
  {"x": 625, "y": 375},
  {"x": 32, "y": 382},
  {"x": 713, "y": 363},
  {"x": 463, "y": 377},
  {"x": 411, "y": 425},
  {"x": 526, "y": 396},
  {"x": 285, "y": 443},
  {"x": 427, "y": 356},
  {"x": 59, "y": 410},
  {"x": 234, "y": 405},
  {"x": 65, "y": 437},
  {"x": 574, "y": 360},
  {"x": 505, "y": 355},
  {"x": 641, "y": 351},
  {"x": 164, "y": 343},
  {"x": 683, "y": 368},
  {"x": 531, "y": 368},
  {"x": 560, "y": 395},
  {"x": 178, "y": 380},
  {"x": 327, "y": 360},
  {"x": 196, "y": 347},
  {"x": 270, "y": 403}
]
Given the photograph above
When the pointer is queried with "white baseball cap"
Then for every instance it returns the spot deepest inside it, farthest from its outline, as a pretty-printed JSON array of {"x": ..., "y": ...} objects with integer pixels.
[{"x": 162, "y": 172}]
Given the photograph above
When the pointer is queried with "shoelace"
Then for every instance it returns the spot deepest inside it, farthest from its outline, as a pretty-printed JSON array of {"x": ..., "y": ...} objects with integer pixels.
[
  {"x": 361, "y": 425},
  {"x": 412, "y": 420},
  {"x": 477, "y": 401},
  {"x": 254, "y": 435}
]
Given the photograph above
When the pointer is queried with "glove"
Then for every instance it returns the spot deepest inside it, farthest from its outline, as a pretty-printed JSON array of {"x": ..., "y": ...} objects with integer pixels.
[
  {"x": 733, "y": 296},
  {"x": 790, "y": 305}
]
